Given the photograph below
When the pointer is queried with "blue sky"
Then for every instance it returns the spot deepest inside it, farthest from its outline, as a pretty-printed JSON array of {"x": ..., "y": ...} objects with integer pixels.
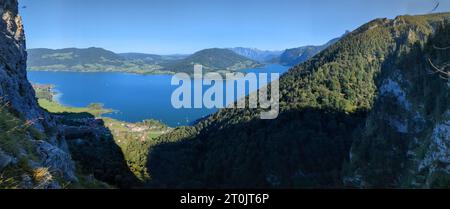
[{"x": 185, "y": 26}]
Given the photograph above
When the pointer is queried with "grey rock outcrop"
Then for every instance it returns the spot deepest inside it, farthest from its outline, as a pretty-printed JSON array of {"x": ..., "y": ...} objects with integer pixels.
[
  {"x": 18, "y": 96},
  {"x": 14, "y": 86},
  {"x": 56, "y": 160}
]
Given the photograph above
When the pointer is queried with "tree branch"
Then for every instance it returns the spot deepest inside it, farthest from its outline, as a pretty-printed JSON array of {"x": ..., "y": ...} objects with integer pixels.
[
  {"x": 443, "y": 71},
  {"x": 441, "y": 48}
]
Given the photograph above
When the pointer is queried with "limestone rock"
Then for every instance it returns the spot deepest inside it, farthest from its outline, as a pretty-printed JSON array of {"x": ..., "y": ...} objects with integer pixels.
[
  {"x": 18, "y": 96},
  {"x": 56, "y": 160}
]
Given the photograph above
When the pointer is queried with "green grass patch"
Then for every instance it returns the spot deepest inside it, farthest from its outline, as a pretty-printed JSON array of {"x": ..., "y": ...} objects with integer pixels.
[{"x": 54, "y": 107}]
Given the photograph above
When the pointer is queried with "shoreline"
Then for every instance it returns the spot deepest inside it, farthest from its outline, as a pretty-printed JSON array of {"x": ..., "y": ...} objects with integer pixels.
[
  {"x": 168, "y": 73},
  {"x": 96, "y": 109}
]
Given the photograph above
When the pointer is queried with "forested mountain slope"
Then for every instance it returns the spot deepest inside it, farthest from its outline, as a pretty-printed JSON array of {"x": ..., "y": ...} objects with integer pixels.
[
  {"x": 405, "y": 141},
  {"x": 368, "y": 111},
  {"x": 212, "y": 60}
]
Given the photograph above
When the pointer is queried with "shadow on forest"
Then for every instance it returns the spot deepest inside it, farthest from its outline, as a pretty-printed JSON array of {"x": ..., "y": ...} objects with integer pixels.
[
  {"x": 301, "y": 148},
  {"x": 93, "y": 148}
]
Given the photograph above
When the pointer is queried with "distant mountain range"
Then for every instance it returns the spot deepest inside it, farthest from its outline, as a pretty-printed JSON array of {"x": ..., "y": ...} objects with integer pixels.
[
  {"x": 101, "y": 60},
  {"x": 299, "y": 55},
  {"x": 257, "y": 54},
  {"x": 288, "y": 57}
]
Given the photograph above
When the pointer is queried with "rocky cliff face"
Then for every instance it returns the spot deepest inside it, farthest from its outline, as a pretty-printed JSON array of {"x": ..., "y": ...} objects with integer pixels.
[
  {"x": 38, "y": 149},
  {"x": 406, "y": 138},
  {"x": 45, "y": 149},
  {"x": 14, "y": 85}
]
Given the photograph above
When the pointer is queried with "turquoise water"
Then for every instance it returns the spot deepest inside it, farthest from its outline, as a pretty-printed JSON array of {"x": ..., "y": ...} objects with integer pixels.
[{"x": 134, "y": 97}]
